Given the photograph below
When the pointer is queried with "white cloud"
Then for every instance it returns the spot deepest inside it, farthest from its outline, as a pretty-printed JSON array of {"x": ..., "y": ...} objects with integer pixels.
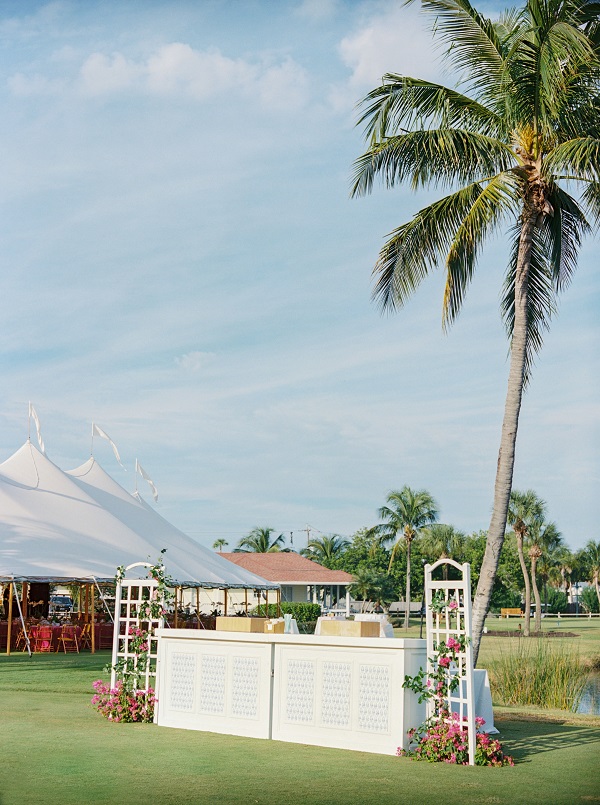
[
  {"x": 192, "y": 362},
  {"x": 177, "y": 69},
  {"x": 102, "y": 74},
  {"x": 317, "y": 10},
  {"x": 284, "y": 86}
]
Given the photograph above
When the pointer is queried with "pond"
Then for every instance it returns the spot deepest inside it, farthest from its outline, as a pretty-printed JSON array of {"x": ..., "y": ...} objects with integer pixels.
[{"x": 590, "y": 701}]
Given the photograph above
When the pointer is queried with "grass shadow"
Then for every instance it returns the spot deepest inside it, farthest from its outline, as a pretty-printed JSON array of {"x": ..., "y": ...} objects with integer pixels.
[{"x": 527, "y": 738}]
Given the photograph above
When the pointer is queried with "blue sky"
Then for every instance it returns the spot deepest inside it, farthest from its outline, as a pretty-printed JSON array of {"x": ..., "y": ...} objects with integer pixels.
[{"x": 182, "y": 264}]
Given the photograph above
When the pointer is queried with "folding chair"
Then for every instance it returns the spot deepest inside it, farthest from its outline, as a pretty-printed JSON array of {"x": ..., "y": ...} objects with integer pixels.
[
  {"x": 43, "y": 639},
  {"x": 85, "y": 638},
  {"x": 68, "y": 637}
]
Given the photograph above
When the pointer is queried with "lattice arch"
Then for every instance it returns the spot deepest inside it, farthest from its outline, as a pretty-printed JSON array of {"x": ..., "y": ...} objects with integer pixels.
[
  {"x": 132, "y": 613},
  {"x": 448, "y": 615}
]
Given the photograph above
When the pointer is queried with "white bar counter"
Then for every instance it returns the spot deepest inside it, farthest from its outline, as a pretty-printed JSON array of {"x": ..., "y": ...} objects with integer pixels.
[{"x": 326, "y": 691}]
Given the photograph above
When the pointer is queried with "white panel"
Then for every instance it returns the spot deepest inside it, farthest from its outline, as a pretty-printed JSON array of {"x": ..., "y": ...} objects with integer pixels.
[
  {"x": 374, "y": 698},
  {"x": 245, "y": 680},
  {"x": 212, "y": 683},
  {"x": 300, "y": 701},
  {"x": 183, "y": 681},
  {"x": 336, "y": 694}
]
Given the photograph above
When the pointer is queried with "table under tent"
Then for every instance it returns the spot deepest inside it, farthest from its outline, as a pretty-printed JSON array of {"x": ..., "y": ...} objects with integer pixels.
[{"x": 77, "y": 527}]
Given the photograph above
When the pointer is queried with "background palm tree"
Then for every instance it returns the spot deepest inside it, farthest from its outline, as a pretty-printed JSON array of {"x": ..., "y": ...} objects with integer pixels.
[
  {"x": 441, "y": 541},
  {"x": 325, "y": 549},
  {"x": 407, "y": 511},
  {"x": 523, "y": 510},
  {"x": 591, "y": 559},
  {"x": 369, "y": 585},
  {"x": 542, "y": 537},
  {"x": 260, "y": 540},
  {"x": 527, "y": 120},
  {"x": 219, "y": 544}
]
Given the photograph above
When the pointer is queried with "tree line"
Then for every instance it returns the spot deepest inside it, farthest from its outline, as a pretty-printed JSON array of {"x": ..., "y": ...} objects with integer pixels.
[{"x": 387, "y": 559}]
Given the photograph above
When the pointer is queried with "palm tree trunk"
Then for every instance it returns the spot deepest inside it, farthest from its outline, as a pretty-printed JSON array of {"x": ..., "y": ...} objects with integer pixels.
[
  {"x": 506, "y": 455},
  {"x": 407, "y": 613},
  {"x": 597, "y": 585},
  {"x": 536, "y": 595},
  {"x": 527, "y": 627}
]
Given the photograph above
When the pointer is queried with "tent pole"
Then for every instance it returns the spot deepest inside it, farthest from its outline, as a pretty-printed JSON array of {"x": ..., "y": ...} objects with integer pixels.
[
  {"x": 266, "y": 603},
  {"x": 9, "y": 629},
  {"x": 225, "y": 601},
  {"x": 175, "y": 621},
  {"x": 87, "y": 603},
  {"x": 279, "y": 602},
  {"x": 93, "y": 620},
  {"x": 24, "y": 597},
  {"x": 198, "y": 607},
  {"x": 79, "y": 603},
  {"x": 246, "y": 600}
]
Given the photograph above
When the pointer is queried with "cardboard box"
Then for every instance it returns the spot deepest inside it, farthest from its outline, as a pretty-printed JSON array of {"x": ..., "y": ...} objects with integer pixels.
[
  {"x": 233, "y": 623},
  {"x": 274, "y": 627},
  {"x": 337, "y": 628}
]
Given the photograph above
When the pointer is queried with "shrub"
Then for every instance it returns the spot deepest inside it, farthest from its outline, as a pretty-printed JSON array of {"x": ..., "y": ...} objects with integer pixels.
[
  {"x": 122, "y": 704},
  {"x": 299, "y": 610},
  {"x": 534, "y": 672},
  {"x": 447, "y": 741}
]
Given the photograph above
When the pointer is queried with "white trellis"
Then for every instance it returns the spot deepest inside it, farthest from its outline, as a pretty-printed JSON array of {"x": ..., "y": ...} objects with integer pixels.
[
  {"x": 132, "y": 613},
  {"x": 450, "y": 617}
]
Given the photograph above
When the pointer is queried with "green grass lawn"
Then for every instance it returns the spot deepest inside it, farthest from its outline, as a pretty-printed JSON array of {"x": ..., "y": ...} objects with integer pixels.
[{"x": 57, "y": 749}]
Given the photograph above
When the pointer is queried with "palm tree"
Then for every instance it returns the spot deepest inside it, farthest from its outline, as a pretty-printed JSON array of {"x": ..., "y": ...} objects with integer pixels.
[
  {"x": 441, "y": 541},
  {"x": 528, "y": 119},
  {"x": 524, "y": 509},
  {"x": 325, "y": 549},
  {"x": 543, "y": 537},
  {"x": 219, "y": 544},
  {"x": 259, "y": 540},
  {"x": 591, "y": 557},
  {"x": 407, "y": 511},
  {"x": 369, "y": 585}
]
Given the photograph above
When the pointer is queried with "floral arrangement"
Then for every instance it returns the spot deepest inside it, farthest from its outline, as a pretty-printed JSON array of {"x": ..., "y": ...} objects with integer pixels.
[
  {"x": 126, "y": 701},
  {"x": 445, "y": 740},
  {"x": 444, "y": 736},
  {"x": 120, "y": 704}
]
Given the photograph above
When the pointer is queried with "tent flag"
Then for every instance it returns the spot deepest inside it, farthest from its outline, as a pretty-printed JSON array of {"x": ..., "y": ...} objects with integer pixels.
[
  {"x": 33, "y": 415},
  {"x": 146, "y": 477},
  {"x": 96, "y": 431}
]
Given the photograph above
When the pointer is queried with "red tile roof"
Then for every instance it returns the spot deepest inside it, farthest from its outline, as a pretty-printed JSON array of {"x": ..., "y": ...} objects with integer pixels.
[{"x": 288, "y": 568}]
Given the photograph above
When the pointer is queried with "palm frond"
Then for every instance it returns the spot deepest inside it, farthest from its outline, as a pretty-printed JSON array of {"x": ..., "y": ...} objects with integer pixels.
[
  {"x": 401, "y": 102},
  {"x": 496, "y": 199},
  {"x": 438, "y": 157},
  {"x": 565, "y": 227},
  {"x": 475, "y": 44},
  {"x": 591, "y": 198},
  {"x": 578, "y": 157}
]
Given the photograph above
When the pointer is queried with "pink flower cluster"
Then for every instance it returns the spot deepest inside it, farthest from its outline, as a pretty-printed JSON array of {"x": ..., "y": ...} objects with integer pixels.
[
  {"x": 447, "y": 741},
  {"x": 452, "y": 644},
  {"x": 121, "y": 704}
]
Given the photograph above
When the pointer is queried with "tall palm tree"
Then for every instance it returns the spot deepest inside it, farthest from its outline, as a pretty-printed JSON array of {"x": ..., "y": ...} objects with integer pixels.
[
  {"x": 543, "y": 537},
  {"x": 591, "y": 557},
  {"x": 407, "y": 511},
  {"x": 528, "y": 119},
  {"x": 260, "y": 540},
  {"x": 524, "y": 509},
  {"x": 219, "y": 544},
  {"x": 325, "y": 549}
]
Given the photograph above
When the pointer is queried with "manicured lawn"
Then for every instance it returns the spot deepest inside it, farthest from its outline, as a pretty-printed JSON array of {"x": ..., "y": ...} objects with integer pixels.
[{"x": 57, "y": 749}]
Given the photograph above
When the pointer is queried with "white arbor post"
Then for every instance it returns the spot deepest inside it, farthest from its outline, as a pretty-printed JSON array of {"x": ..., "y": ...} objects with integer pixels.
[
  {"x": 448, "y": 615},
  {"x": 132, "y": 613}
]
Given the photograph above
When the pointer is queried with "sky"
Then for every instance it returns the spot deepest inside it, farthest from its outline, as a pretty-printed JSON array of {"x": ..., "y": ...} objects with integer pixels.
[{"x": 182, "y": 264}]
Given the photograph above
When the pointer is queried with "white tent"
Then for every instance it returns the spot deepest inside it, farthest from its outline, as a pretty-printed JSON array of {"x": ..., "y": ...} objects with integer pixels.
[{"x": 81, "y": 525}]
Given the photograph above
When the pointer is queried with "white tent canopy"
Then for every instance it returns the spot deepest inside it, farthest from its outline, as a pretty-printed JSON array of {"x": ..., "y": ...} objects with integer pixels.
[{"x": 81, "y": 525}]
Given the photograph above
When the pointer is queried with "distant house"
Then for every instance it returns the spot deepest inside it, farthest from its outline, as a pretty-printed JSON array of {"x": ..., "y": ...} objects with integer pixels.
[{"x": 301, "y": 579}]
